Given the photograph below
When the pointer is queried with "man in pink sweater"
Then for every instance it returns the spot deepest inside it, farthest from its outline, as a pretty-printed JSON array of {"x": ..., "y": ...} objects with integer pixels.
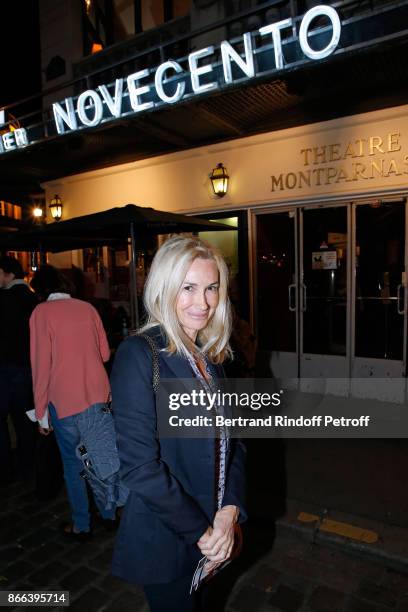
[{"x": 68, "y": 346}]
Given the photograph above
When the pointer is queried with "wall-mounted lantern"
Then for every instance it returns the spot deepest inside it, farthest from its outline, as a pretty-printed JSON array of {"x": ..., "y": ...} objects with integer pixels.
[
  {"x": 56, "y": 208},
  {"x": 219, "y": 179}
]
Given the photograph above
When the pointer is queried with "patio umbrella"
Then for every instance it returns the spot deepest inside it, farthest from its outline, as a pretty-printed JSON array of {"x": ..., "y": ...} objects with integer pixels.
[
  {"x": 38, "y": 239},
  {"x": 116, "y": 223},
  {"x": 108, "y": 228}
]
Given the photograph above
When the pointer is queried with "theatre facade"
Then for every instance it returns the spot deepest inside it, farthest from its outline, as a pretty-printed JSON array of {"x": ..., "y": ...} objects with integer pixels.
[
  {"x": 308, "y": 114},
  {"x": 323, "y": 213}
]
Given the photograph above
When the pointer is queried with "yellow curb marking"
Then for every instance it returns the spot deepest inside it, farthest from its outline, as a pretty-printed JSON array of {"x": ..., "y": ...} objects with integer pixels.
[
  {"x": 343, "y": 529},
  {"x": 305, "y": 517}
]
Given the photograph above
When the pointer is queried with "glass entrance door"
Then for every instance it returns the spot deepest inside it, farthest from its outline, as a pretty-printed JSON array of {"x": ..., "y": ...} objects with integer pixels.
[
  {"x": 324, "y": 303},
  {"x": 330, "y": 291},
  {"x": 380, "y": 327},
  {"x": 276, "y": 293}
]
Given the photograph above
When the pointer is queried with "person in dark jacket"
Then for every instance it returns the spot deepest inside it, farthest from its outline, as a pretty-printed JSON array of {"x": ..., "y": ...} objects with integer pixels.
[
  {"x": 17, "y": 302},
  {"x": 186, "y": 495}
]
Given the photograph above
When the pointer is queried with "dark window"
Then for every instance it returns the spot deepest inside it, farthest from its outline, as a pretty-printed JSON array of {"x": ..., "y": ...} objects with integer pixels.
[{"x": 56, "y": 68}]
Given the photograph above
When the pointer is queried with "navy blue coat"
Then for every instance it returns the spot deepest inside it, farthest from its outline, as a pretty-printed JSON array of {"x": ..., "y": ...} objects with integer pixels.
[{"x": 172, "y": 497}]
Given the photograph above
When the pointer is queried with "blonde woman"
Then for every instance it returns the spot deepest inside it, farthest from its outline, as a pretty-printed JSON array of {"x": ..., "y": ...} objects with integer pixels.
[{"x": 185, "y": 494}]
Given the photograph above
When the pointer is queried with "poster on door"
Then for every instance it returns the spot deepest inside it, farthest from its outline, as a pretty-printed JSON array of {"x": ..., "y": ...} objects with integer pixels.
[{"x": 324, "y": 260}]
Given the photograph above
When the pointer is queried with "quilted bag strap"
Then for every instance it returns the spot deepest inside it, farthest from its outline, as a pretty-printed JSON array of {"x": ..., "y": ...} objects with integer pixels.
[{"x": 155, "y": 361}]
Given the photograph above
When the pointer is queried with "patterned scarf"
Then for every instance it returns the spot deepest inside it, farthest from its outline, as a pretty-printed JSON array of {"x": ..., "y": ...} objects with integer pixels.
[{"x": 221, "y": 440}]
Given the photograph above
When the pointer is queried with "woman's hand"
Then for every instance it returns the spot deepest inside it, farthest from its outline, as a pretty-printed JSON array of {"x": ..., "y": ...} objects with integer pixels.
[
  {"x": 44, "y": 430},
  {"x": 217, "y": 542},
  {"x": 210, "y": 566}
]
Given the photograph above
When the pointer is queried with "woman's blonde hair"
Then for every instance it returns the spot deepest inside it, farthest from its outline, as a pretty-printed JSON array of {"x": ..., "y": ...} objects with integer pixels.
[{"x": 162, "y": 288}]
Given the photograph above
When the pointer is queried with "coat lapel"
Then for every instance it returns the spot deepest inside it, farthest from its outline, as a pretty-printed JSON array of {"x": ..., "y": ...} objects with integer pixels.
[{"x": 176, "y": 363}]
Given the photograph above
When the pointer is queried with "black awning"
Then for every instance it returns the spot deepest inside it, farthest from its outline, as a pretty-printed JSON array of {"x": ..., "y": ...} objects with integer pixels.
[{"x": 106, "y": 228}]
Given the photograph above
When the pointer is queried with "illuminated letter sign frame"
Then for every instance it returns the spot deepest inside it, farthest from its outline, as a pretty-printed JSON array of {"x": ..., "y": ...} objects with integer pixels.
[
  {"x": 174, "y": 81},
  {"x": 170, "y": 83}
]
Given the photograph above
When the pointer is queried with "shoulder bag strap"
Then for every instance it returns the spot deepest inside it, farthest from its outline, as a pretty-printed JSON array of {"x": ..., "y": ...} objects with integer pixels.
[{"x": 155, "y": 362}]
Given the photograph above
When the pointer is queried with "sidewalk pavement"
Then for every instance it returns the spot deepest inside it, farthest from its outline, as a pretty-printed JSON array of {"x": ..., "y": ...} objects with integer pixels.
[
  {"x": 364, "y": 537},
  {"x": 294, "y": 565}
]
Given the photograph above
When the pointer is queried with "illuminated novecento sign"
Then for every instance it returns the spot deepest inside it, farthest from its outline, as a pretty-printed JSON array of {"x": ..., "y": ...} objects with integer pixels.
[
  {"x": 170, "y": 83},
  {"x": 14, "y": 139}
]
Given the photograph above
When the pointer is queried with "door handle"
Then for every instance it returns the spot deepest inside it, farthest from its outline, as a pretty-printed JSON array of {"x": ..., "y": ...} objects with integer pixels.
[
  {"x": 291, "y": 295},
  {"x": 304, "y": 301},
  {"x": 401, "y": 311}
]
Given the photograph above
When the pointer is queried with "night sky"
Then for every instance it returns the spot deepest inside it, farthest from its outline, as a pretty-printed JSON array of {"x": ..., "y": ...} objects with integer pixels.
[{"x": 20, "y": 51}]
